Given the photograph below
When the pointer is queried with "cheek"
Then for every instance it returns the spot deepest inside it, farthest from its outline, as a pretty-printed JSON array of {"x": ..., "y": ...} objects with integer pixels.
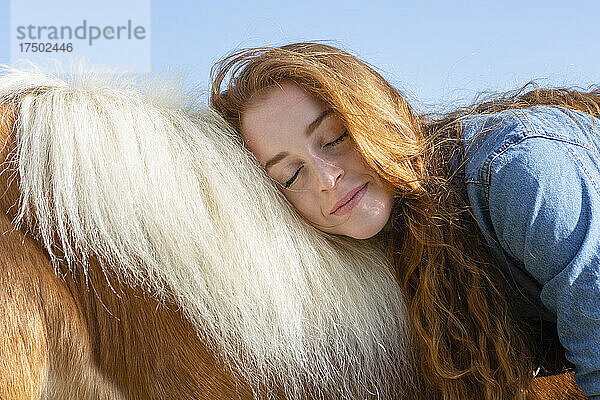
[{"x": 306, "y": 205}]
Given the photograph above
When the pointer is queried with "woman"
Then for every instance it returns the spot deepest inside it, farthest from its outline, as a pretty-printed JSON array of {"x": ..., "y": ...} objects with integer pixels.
[{"x": 488, "y": 213}]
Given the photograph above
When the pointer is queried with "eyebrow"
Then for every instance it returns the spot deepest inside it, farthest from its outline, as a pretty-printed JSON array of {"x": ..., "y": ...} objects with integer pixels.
[{"x": 309, "y": 130}]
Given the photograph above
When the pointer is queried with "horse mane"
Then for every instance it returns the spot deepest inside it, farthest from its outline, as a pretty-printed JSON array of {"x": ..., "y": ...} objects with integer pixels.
[{"x": 161, "y": 191}]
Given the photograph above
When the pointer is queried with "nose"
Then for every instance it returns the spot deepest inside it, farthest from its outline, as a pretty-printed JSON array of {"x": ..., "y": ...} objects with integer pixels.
[{"x": 328, "y": 173}]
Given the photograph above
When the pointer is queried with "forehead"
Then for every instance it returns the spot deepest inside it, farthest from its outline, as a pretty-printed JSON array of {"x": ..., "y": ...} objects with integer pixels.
[{"x": 277, "y": 115}]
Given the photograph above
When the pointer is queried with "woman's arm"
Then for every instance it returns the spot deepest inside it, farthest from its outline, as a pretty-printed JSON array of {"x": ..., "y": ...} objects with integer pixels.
[{"x": 544, "y": 203}]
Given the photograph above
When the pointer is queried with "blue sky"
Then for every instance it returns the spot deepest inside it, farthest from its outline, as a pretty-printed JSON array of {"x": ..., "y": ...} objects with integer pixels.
[{"x": 439, "y": 53}]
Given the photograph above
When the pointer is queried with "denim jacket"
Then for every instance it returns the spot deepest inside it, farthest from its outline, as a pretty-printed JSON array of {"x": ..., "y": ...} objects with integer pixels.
[{"x": 533, "y": 181}]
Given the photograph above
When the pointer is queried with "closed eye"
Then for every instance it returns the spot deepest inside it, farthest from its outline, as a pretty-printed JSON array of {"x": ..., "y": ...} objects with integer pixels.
[
  {"x": 330, "y": 144},
  {"x": 338, "y": 140},
  {"x": 293, "y": 178}
]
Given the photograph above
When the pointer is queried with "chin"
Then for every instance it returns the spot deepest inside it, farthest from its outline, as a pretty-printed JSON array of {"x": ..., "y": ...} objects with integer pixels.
[
  {"x": 369, "y": 225},
  {"x": 364, "y": 235},
  {"x": 366, "y": 232}
]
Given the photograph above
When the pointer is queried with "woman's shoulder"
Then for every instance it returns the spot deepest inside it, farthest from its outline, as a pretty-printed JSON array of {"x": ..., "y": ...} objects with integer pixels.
[
  {"x": 488, "y": 136},
  {"x": 553, "y": 122}
]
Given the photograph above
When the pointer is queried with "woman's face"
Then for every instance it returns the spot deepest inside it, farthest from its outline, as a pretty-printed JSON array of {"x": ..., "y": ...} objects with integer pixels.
[{"x": 306, "y": 149}]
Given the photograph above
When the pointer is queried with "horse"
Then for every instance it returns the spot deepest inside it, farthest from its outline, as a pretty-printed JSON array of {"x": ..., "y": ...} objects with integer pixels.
[{"x": 145, "y": 255}]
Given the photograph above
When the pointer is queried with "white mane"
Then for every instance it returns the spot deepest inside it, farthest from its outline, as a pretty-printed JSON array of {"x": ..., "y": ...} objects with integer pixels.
[{"x": 164, "y": 194}]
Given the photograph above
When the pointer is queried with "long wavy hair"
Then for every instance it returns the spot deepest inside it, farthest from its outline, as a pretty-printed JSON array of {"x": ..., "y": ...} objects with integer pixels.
[{"x": 470, "y": 345}]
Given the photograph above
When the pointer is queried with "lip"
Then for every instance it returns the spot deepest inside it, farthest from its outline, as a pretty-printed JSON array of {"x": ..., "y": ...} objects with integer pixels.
[{"x": 352, "y": 197}]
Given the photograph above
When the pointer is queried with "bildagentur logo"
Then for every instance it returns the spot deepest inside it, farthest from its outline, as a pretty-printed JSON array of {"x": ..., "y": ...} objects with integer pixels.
[
  {"x": 85, "y": 32},
  {"x": 113, "y": 33}
]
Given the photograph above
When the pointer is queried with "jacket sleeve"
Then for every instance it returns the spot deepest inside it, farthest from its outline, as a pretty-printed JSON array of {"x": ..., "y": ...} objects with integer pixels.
[{"x": 544, "y": 203}]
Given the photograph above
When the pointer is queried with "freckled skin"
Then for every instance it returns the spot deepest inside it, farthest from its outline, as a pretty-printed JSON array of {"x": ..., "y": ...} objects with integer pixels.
[{"x": 330, "y": 165}]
